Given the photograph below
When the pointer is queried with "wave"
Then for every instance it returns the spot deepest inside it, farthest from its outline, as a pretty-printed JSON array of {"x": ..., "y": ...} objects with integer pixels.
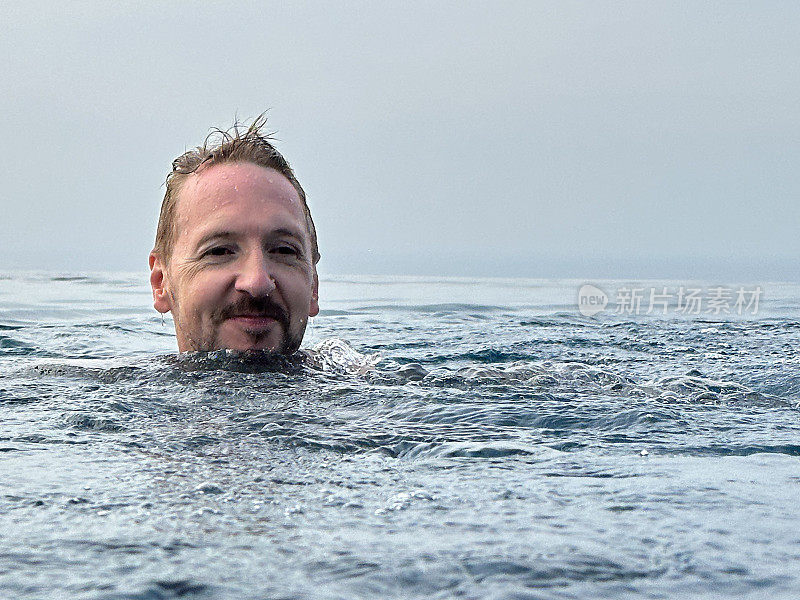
[{"x": 485, "y": 370}]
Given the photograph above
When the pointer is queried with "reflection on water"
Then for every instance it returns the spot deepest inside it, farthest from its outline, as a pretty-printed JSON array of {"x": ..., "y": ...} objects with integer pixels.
[{"x": 439, "y": 438}]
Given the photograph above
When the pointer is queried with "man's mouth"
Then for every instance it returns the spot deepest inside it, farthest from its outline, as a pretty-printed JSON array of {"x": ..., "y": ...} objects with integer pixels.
[{"x": 254, "y": 322}]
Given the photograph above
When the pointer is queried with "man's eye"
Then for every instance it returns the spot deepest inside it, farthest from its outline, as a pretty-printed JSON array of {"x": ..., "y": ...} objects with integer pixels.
[
  {"x": 287, "y": 250},
  {"x": 218, "y": 251}
]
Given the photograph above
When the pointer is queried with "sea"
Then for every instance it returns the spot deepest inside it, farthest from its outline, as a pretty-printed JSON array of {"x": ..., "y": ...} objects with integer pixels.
[{"x": 438, "y": 438}]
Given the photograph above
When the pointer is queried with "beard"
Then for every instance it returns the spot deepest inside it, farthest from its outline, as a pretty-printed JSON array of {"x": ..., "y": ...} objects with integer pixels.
[{"x": 289, "y": 342}]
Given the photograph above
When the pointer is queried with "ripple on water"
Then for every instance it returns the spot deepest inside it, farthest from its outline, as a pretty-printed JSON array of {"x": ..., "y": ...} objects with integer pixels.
[{"x": 488, "y": 451}]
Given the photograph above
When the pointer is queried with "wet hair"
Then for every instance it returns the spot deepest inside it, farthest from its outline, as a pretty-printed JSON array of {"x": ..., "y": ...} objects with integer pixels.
[{"x": 239, "y": 144}]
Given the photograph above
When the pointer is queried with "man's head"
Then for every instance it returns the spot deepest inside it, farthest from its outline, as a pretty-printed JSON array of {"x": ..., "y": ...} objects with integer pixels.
[{"x": 236, "y": 251}]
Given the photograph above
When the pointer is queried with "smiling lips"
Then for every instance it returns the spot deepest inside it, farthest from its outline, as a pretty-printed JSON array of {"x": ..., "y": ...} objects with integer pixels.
[{"x": 254, "y": 322}]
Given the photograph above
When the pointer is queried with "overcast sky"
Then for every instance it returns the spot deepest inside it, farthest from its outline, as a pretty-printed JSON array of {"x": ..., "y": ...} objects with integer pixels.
[{"x": 530, "y": 139}]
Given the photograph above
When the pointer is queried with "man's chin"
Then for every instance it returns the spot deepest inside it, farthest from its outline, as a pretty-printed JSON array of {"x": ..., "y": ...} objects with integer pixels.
[
  {"x": 252, "y": 345},
  {"x": 236, "y": 337},
  {"x": 232, "y": 337}
]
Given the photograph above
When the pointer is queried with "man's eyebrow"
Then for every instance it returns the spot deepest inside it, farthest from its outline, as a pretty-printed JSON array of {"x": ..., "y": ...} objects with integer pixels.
[
  {"x": 280, "y": 231},
  {"x": 295, "y": 233},
  {"x": 213, "y": 235}
]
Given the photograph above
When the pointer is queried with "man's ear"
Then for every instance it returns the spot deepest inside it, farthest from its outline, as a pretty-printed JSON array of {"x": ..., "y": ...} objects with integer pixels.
[
  {"x": 313, "y": 308},
  {"x": 162, "y": 301}
]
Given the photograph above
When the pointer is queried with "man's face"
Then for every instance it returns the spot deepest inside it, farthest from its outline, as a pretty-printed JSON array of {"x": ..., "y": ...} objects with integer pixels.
[{"x": 241, "y": 274}]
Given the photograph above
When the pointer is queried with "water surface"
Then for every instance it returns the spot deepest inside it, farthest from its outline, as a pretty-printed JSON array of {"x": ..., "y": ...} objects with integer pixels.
[{"x": 457, "y": 438}]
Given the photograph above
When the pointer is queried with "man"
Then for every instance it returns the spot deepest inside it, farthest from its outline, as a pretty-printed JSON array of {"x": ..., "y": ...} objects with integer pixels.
[{"x": 236, "y": 249}]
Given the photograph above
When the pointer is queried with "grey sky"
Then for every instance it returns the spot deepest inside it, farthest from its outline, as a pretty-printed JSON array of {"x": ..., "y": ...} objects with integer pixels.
[{"x": 533, "y": 139}]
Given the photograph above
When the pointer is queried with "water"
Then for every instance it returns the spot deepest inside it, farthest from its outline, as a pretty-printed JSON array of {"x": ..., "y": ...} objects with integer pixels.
[{"x": 461, "y": 438}]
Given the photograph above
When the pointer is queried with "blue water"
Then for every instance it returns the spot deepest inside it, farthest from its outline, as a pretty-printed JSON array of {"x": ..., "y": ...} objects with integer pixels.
[{"x": 452, "y": 438}]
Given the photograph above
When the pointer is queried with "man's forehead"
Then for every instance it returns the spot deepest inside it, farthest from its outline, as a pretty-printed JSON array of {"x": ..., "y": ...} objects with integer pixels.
[
  {"x": 229, "y": 180},
  {"x": 217, "y": 188}
]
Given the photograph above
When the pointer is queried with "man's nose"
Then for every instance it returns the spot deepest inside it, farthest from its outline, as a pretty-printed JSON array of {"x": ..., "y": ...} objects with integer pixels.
[{"x": 255, "y": 277}]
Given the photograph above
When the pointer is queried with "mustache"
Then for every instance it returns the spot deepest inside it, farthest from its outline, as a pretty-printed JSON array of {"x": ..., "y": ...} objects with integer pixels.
[{"x": 262, "y": 307}]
